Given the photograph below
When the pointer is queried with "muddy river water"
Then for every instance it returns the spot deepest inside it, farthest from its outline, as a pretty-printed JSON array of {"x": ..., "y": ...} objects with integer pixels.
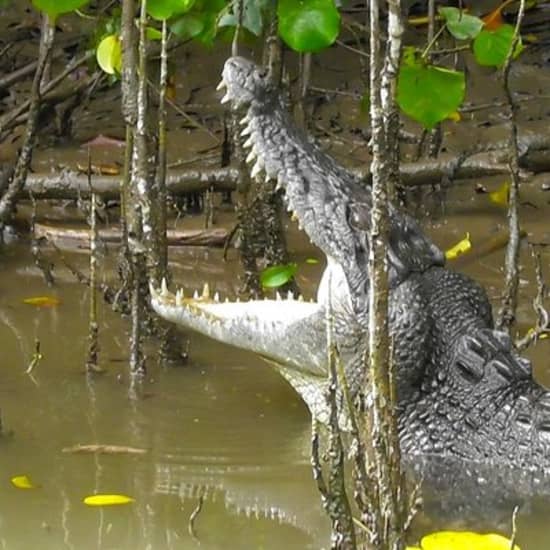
[
  {"x": 224, "y": 428},
  {"x": 223, "y": 433}
]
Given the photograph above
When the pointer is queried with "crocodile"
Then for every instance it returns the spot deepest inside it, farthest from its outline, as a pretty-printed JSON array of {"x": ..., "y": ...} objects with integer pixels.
[{"x": 462, "y": 389}]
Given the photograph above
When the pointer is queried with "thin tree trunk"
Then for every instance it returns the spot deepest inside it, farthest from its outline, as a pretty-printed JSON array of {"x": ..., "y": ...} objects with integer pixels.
[{"x": 8, "y": 199}]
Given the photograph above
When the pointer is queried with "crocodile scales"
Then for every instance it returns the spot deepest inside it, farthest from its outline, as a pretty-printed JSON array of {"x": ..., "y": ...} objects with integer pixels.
[{"x": 462, "y": 389}]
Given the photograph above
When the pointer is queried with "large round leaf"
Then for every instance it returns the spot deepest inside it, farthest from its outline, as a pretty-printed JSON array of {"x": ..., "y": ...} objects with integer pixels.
[
  {"x": 55, "y": 7},
  {"x": 187, "y": 26},
  {"x": 308, "y": 25},
  {"x": 429, "y": 94},
  {"x": 491, "y": 47}
]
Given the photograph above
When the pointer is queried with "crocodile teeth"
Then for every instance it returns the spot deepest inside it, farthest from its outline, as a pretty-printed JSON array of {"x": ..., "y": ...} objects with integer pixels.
[
  {"x": 164, "y": 288},
  {"x": 245, "y": 119},
  {"x": 290, "y": 295},
  {"x": 256, "y": 169},
  {"x": 196, "y": 295},
  {"x": 278, "y": 296},
  {"x": 300, "y": 298},
  {"x": 226, "y": 300},
  {"x": 246, "y": 131},
  {"x": 251, "y": 156},
  {"x": 216, "y": 297},
  {"x": 226, "y": 98},
  {"x": 221, "y": 85},
  {"x": 179, "y": 297},
  {"x": 205, "y": 291},
  {"x": 248, "y": 143}
]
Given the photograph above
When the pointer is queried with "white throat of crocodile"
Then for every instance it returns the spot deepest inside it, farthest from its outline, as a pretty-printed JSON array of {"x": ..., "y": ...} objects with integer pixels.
[
  {"x": 287, "y": 331},
  {"x": 290, "y": 333}
]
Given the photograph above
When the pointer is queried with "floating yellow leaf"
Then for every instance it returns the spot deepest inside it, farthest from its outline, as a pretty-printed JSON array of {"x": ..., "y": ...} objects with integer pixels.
[
  {"x": 541, "y": 336},
  {"x": 107, "y": 500},
  {"x": 465, "y": 540},
  {"x": 23, "y": 482},
  {"x": 42, "y": 301},
  {"x": 459, "y": 248},
  {"x": 500, "y": 196}
]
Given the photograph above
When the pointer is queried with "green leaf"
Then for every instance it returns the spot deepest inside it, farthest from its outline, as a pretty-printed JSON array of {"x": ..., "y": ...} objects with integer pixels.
[
  {"x": 164, "y": 9},
  {"x": 461, "y": 25},
  {"x": 153, "y": 34},
  {"x": 251, "y": 20},
  {"x": 109, "y": 54},
  {"x": 429, "y": 94},
  {"x": 308, "y": 25},
  {"x": 187, "y": 26},
  {"x": 491, "y": 47},
  {"x": 56, "y": 7},
  {"x": 277, "y": 275},
  {"x": 207, "y": 12}
]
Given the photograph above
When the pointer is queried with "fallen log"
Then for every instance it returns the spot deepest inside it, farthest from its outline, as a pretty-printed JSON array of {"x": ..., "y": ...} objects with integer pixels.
[
  {"x": 79, "y": 237},
  {"x": 534, "y": 150},
  {"x": 68, "y": 184}
]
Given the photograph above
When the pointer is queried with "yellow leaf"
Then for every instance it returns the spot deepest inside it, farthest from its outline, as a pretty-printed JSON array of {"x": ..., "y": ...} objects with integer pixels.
[
  {"x": 109, "y": 54},
  {"x": 455, "y": 117},
  {"x": 465, "y": 540},
  {"x": 459, "y": 248},
  {"x": 42, "y": 301},
  {"x": 107, "y": 500},
  {"x": 531, "y": 38},
  {"x": 541, "y": 336},
  {"x": 500, "y": 196},
  {"x": 23, "y": 482}
]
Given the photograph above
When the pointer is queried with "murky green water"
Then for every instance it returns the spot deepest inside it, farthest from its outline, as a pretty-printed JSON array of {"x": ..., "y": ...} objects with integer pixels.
[{"x": 224, "y": 429}]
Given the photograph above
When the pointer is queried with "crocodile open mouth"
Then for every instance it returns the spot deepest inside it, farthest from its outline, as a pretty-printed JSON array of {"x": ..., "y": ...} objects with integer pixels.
[
  {"x": 283, "y": 330},
  {"x": 283, "y": 309}
]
